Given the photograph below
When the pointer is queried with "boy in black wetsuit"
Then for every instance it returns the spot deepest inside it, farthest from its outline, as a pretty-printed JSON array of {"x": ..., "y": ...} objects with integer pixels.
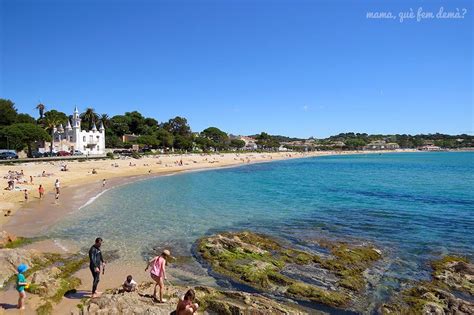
[{"x": 96, "y": 262}]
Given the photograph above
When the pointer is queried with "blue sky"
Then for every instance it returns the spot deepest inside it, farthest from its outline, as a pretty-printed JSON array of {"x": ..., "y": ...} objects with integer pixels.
[{"x": 297, "y": 68}]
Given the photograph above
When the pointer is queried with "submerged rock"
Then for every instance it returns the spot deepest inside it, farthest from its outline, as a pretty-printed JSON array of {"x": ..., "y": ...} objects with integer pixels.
[
  {"x": 265, "y": 264},
  {"x": 447, "y": 292},
  {"x": 210, "y": 300}
]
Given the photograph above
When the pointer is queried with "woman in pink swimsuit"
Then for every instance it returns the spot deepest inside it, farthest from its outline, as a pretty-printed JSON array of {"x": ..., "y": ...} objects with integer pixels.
[{"x": 158, "y": 272}]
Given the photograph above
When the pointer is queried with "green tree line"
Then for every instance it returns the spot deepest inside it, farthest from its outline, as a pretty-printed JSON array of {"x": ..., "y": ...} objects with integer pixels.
[{"x": 20, "y": 131}]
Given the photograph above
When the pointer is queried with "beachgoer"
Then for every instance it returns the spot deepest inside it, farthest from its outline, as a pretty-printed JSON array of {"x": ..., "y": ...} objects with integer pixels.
[
  {"x": 21, "y": 284},
  {"x": 41, "y": 191},
  {"x": 56, "y": 186},
  {"x": 185, "y": 304},
  {"x": 26, "y": 195},
  {"x": 31, "y": 179},
  {"x": 103, "y": 182},
  {"x": 43, "y": 174},
  {"x": 158, "y": 272},
  {"x": 95, "y": 265},
  {"x": 129, "y": 285},
  {"x": 94, "y": 171}
]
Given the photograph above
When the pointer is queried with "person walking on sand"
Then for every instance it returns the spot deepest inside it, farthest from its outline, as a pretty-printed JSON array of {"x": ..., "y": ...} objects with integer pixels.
[
  {"x": 26, "y": 195},
  {"x": 158, "y": 272},
  {"x": 56, "y": 186},
  {"x": 103, "y": 183},
  {"x": 95, "y": 265},
  {"x": 41, "y": 191},
  {"x": 21, "y": 285}
]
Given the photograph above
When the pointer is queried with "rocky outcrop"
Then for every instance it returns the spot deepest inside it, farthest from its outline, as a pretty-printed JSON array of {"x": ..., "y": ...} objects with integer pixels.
[
  {"x": 265, "y": 264},
  {"x": 6, "y": 238},
  {"x": 50, "y": 275},
  {"x": 54, "y": 277},
  {"x": 450, "y": 291},
  {"x": 210, "y": 300},
  {"x": 10, "y": 258}
]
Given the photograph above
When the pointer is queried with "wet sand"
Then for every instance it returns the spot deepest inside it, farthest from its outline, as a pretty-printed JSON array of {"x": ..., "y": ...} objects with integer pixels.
[{"x": 37, "y": 216}]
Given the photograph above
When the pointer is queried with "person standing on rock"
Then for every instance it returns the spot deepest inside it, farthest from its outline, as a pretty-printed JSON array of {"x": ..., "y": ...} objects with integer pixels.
[
  {"x": 158, "y": 272},
  {"x": 95, "y": 265}
]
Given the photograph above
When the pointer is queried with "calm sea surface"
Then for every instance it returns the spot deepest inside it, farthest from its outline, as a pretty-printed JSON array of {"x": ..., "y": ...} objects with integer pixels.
[{"x": 413, "y": 206}]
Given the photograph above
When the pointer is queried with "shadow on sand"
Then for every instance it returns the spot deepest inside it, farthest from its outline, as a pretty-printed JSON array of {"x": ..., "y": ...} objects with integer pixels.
[{"x": 7, "y": 306}]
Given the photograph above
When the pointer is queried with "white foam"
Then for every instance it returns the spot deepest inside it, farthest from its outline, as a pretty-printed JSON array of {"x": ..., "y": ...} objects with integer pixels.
[
  {"x": 92, "y": 199},
  {"x": 58, "y": 244}
]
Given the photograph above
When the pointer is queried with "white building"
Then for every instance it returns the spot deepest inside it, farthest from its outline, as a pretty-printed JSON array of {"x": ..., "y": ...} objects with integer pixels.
[{"x": 72, "y": 138}]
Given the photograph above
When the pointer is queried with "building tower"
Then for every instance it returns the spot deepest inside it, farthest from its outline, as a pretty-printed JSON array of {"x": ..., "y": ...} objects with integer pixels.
[{"x": 76, "y": 125}]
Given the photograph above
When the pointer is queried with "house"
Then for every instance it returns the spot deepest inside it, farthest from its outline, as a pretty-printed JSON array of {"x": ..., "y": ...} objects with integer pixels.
[
  {"x": 250, "y": 143},
  {"x": 429, "y": 148},
  {"x": 381, "y": 145},
  {"x": 129, "y": 138},
  {"x": 72, "y": 137}
]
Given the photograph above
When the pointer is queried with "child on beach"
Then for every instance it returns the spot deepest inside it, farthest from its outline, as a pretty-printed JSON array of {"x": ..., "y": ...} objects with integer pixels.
[
  {"x": 129, "y": 284},
  {"x": 41, "y": 191},
  {"x": 185, "y": 305},
  {"x": 21, "y": 284},
  {"x": 56, "y": 186},
  {"x": 158, "y": 272}
]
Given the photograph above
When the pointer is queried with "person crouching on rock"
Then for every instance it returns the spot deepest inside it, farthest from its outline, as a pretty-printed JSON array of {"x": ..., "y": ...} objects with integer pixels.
[
  {"x": 96, "y": 262},
  {"x": 185, "y": 305},
  {"x": 129, "y": 285},
  {"x": 158, "y": 272},
  {"x": 21, "y": 285}
]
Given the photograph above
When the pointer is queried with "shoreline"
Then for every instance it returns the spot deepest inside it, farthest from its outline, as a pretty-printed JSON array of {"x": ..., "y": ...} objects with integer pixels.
[{"x": 32, "y": 219}]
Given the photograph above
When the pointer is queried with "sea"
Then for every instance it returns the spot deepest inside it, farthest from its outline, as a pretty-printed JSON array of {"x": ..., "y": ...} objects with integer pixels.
[{"x": 414, "y": 207}]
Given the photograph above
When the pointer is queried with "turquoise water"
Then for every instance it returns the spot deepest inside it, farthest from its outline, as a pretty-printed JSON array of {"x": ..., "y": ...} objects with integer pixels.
[{"x": 414, "y": 206}]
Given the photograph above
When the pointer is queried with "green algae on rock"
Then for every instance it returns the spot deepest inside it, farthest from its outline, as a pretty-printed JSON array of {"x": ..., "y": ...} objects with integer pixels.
[
  {"x": 260, "y": 262},
  {"x": 52, "y": 276},
  {"x": 451, "y": 275}
]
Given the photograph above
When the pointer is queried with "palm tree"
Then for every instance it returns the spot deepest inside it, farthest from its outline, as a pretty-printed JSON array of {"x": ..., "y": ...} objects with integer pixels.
[
  {"x": 89, "y": 116},
  {"x": 40, "y": 107},
  {"x": 104, "y": 118},
  {"x": 50, "y": 122}
]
